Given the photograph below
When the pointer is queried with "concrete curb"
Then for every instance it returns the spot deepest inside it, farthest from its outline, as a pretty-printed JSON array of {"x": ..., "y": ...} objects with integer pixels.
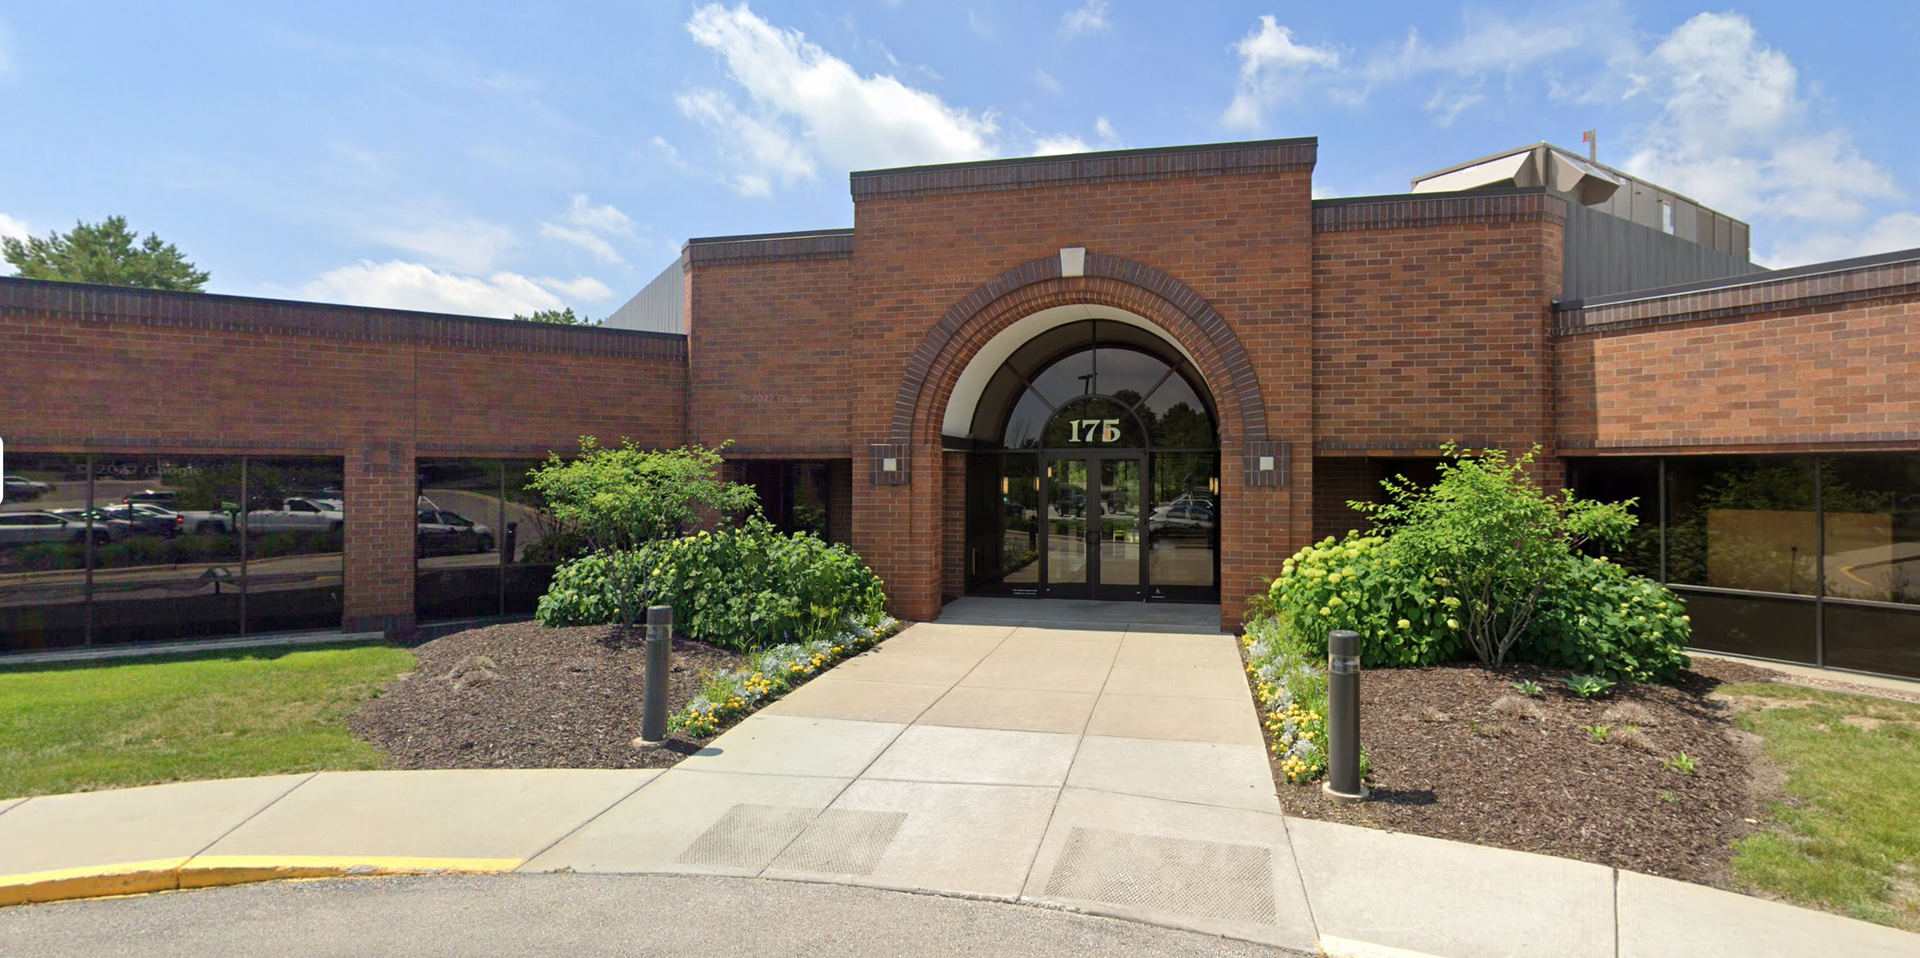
[{"x": 209, "y": 871}]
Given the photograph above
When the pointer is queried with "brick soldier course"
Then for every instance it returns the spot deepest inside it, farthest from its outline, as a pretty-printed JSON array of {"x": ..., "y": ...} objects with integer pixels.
[{"x": 1333, "y": 335}]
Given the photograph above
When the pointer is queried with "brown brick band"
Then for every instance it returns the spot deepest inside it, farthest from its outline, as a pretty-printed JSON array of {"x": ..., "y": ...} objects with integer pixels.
[
  {"x": 1124, "y": 166},
  {"x": 118, "y": 305}
]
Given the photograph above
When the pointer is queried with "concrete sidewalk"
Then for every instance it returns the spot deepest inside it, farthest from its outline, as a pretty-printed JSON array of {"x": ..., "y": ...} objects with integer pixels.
[{"x": 1115, "y": 768}]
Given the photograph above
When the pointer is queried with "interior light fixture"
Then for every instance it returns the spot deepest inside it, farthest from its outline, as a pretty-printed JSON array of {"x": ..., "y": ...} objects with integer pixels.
[
  {"x": 1213, "y": 485},
  {"x": 1003, "y": 485}
]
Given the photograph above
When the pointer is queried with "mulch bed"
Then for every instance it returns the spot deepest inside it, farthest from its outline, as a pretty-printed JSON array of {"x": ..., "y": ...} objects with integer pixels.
[
  {"x": 1455, "y": 754},
  {"x": 520, "y": 695}
]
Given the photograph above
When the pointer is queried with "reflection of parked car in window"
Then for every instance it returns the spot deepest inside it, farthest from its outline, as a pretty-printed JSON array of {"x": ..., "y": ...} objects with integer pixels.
[
  {"x": 22, "y": 489},
  {"x": 26, "y": 528},
  {"x": 1178, "y": 518},
  {"x": 439, "y": 532},
  {"x": 116, "y": 529},
  {"x": 146, "y": 519},
  {"x": 297, "y": 515}
]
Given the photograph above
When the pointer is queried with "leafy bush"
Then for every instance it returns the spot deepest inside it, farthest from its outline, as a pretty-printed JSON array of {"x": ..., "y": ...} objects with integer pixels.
[
  {"x": 626, "y": 499},
  {"x": 581, "y": 592},
  {"x": 1494, "y": 538},
  {"x": 1485, "y": 561},
  {"x": 1402, "y": 616},
  {"x": 743, "y": 588},
  {"x": 1603, "y": 620}
]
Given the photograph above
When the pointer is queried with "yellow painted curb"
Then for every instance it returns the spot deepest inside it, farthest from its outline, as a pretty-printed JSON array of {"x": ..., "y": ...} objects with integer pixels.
[
  {"x": 207, "y": 871},
  {"x": 97, "y": 881},
  {"x": 1334, "y": 947}
]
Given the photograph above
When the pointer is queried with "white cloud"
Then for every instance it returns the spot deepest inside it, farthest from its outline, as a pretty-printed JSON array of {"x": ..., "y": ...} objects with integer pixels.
[
  {"x": 1487, "y": 44},
  {"x": 1447, "y": 105},
  {"x": 805, "y": 108},
  {"x": 668, "y": 151},
  {"x": 579, "y": 287},
  {"x": 590, "y": 225},
  {"x": 600, "y": 219},
  {"x": 1271, "y": 67},
  {"x": 1046, "y": 80},
  {"x": 1090, "y": 18},
  {"x": 585, "y": 239},
  {"x": 1060, "y": 143},
  {"x": 397, "y": 284},
  {"x": 463, "y": 244},
  {"x": 17, "y": 229},
  {"x": 1732, "y": 130},
  {"x": 1894, "y": 231}
]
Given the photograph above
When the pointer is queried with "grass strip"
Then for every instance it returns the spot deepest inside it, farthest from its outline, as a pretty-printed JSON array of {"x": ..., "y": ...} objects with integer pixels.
[
  {"x": 85, "y": 726},
  {"x": 1846, "y": 832}
]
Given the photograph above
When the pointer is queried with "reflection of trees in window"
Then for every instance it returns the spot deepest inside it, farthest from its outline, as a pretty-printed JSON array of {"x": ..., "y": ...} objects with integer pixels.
[
  {"x": 202, "y": 489},
  {"x": 809, "y": 505},
  {"x": 1171, "y": 411},
  {"x": 1751, "y": 524},
  {"x": 1184, "y": 427}
]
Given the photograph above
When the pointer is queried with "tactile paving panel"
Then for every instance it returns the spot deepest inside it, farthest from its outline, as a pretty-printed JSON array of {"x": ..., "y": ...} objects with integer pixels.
[
  {"x": 843, "y": 842},
  {"x": 748, "y": 836},
  {"x": 1177, "y": 875}
]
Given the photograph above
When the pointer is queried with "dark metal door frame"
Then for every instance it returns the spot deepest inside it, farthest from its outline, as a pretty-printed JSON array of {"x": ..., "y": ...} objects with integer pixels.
[{"x": 1094, "y": 513}]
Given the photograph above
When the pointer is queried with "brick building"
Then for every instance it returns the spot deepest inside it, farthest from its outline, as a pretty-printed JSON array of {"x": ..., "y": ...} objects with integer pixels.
[{"x": 1144, "y": 375}]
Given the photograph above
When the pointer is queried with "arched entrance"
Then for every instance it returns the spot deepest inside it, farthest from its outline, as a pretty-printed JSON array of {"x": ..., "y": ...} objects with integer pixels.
[{"x": 1093, "y": 471}]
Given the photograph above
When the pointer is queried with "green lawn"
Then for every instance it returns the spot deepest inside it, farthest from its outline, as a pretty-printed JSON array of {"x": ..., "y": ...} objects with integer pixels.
[
  {"x": 67, "y": 728},
  {"x": 1847, "y": 834}
]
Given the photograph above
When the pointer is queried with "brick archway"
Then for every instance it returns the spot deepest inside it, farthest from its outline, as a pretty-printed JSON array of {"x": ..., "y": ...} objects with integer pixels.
[{"x": 1179, "y": 312}]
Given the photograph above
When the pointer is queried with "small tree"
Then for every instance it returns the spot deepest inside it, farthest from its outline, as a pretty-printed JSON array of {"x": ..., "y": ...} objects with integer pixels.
[
  {"x": 104, "y": 253},
  {"x": 557, "y": 317},
  {"x": 1492, "y": 540},
  {"x": 618, "y": 500}
]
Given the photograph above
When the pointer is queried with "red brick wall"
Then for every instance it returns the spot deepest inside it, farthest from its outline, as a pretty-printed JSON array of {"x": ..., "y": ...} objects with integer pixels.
[
  {"x": 98, "y": 369},
  {"x": 953, "y": 579},
  {"x": 1803, "y": 376},
  {"x": 1434, "y": 327},
  {"x": 1240, "y": 241},
  {"x": 769, "y": 350}
]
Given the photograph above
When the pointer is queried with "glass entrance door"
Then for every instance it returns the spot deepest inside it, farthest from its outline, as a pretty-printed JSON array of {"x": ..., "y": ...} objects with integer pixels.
[
  {"x": 1118, "y": 535},
  {"x": 1069, "y": 570},
  {"x": 1093, "y": 529}
]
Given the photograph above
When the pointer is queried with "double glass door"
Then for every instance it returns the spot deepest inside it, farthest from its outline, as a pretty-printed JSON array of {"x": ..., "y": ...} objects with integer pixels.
[{"x": 1093, "y": 539}]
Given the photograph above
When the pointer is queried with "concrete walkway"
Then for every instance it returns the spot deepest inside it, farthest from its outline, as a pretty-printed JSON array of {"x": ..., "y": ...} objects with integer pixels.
[{"x": 1062, "y": 754}]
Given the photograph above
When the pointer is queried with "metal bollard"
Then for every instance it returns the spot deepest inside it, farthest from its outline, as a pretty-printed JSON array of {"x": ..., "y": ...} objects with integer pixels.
[
  {"x": 653, "y": 718},
  {"x": 1343, "y": 717}
]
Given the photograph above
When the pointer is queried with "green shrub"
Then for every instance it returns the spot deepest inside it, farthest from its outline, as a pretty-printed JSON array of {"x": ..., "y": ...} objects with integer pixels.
[
  {"x": 1495, "y": 539},
  {"x": 628, "y": 499},
  {"x": 1404, "y": 618},
  {"x": 1605, "y": 621},
  {"x": 1484, "y": 562},
  {"x": 740, "y": 587},
  {"x": 582, "y": 593}
]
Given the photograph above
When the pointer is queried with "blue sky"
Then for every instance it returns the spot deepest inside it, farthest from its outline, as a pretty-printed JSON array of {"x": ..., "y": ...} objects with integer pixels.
[{"x": 493, "y": 158}]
